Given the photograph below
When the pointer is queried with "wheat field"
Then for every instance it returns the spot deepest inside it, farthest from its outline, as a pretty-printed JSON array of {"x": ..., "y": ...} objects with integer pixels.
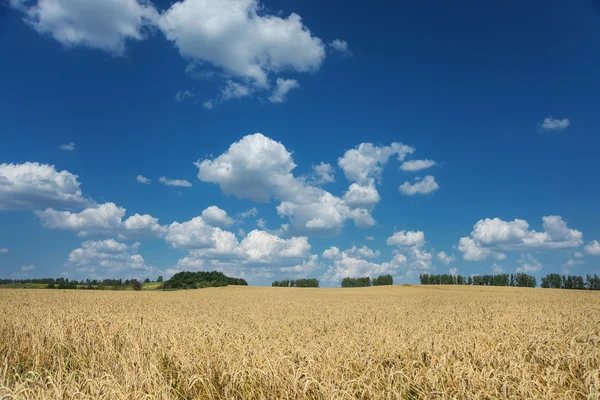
[{"x": 400, "y": 342}]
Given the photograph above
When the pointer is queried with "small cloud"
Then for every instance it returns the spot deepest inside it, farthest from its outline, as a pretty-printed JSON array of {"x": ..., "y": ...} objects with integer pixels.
[
  {"x": 453, "y": 271},
  {"x": 231, "y": 91},
  {"x": 27, "y": 268},
  {"x": 497, "y": 269},
  {"x": 283, "y": 87},
  {"x": 416, "y": 165},
  {"x": 322, "y": 173},
  {"x": 175, "y": 182},
  {"x": 3, "y": 250},
  {"x": 261, "y": 223},
  {"x": 340, "y": 46},
  {"x": 423, "y": 186},
  {"x": 183, "y": 95},
  {"x": 369, "y": 238},
  {"x": 551, "y": 124},
  {"x": 252, "y": 212},
  {"x": 143, "y": 179},
  {"x": 68, "y": 147}
]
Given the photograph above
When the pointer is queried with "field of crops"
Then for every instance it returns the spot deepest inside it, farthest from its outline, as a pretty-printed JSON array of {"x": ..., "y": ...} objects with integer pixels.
[{"x": 404, "y": 342}]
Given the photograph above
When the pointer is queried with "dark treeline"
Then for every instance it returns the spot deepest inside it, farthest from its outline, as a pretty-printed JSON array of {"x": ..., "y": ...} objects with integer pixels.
[
  {"x": 297, "y": 283},
  {"x": 65, "y": 283},
  {"x": 366, "y": 281},
  {"x": 556, "y": 281},
  {"x": 516, "y": 280},
  {"x": 201, "y": 279}
]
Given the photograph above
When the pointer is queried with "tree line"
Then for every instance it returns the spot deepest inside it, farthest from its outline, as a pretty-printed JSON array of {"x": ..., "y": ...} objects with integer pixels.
[
  {"x": 302, "y": 283},
  {"x": 515, "y": 280},
  {"x": 202, "y": 279},
  {"x": 556, "y": 281},
  {"x": 91, "y": 284},
  {"x": 367, "y": 281}
]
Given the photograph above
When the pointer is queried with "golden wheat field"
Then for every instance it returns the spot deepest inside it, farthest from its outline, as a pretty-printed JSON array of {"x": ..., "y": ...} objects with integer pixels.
[{"x": 405, "y": 342}]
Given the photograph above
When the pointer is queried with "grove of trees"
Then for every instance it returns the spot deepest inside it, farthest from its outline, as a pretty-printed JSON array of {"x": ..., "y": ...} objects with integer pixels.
[
  {"x": 517, "y": 280},
  {"x": 366, "y": 281},
  {"x": 301, "y": 283},
  {"x": 201, "y": 279},
  {"x": 556, "y": 281}
]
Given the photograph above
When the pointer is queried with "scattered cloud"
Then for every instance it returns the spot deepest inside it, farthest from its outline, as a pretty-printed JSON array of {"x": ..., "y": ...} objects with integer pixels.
[
  {"x": 445, "y": 258},
  {"x": 340, "y": 46},
  {"x": 252, "y": 212},
  {"x": 261, "y": 223},
  {"x": 407, "y": 239},
  {"x": 365, "y": 163},
  {"x": 551, "y": 124},
  {"x": 493, "y": 236},
  {"x": 529, "y": 264},
  {"x": 593, "y": 248},
  {"x": 68, "y": 147},
  {"x": 183, "y": 95},
  {"x": 422, "y": 186},
  {"x": 331, "y": 253},
  {"x": 105, "y": 25},
  {"x": 3, "y": 250},
  {"x": 103, "y": 219},
  {"x": 416, "y": 165},
  {"x": 31, "y": 186},
  {"x": 370, "y": 238},
  {"x": 109, "y": 259},
  {"x": 282, "y": 88},
  {"x": 143, "y": 179},
  {"x": 27, "y": 268},
  {"x": 322, "y": 173},
  {"x": 174, "y": 182}
]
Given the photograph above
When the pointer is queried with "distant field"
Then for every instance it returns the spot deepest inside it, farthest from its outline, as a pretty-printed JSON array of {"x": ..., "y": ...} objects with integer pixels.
[{"x": 404, "y": 342}]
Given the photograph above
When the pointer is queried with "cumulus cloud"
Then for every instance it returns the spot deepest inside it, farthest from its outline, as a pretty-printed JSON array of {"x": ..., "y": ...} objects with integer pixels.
[
  {"x": 105, "y": 25},
  {"x": 68, "y": 146},
  {"x": 27, "y": 268},
  {"x": 445, "y": 258},
  {"x": 423, "y": 186},
  {"x": 365, "y": 163},
  {"x": 362, "y": 252},
  {"x": 331, "y": 253},
  {"x": 322, "y": 173},
  {"x": 103, "y": 219},
  {"x": 215, "y": 216},
  {"x": 31, "y": 186},
  {"x": 361, "y": 196},
  {"x": 143, "y": 179},
  {"x": 340, "y": 46},
  {"x": 174, "y": 182},
  {"x": 407, "y": 239},
  {"x": 260, "y": 169},
  {"x": 252, "y": 212},
  {"x": 416, "y": 165},
  {"x": 109, "y": 259},
  {"x": 529, "y": 264},
  {"x": 593, "y": 248},
  {"x": 551, "y": 124},
  {"x": 243, "y": 42},
  {"x": 283, "y": 86},
  {"x": 492, "y": 236}
]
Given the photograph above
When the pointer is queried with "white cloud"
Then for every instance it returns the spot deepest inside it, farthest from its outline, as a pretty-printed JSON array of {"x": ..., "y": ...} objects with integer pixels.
[
  {"x": 215, "y": 216},
  {"x": 260, "y": 169},
  {"x": 27, "y": 268},
  {"x": 68, "y": 146},
  {"x": 322, "y": 173},
  {"x": 578, "y": 254},
  {"x": 195, "y": 233},
  {"x": 183, "y": 95},
  {"x": 453, "y": 271},
  {"x": 551, "y": 124},
  {"x": 174, "y": 182},
  {"x": 30, "y": 186},
  {"x": 143, "y": 179},
  {"x": 593, "y": 248},
  {"x": 252, "y": 212},
  {"x": 261, "y": 223},
  {"x": 239, "y": 38},
  {"x": 445, "y": 258},
  {"x": 3, "y": 250},
  {"x": 416, "y": 165},
  {"x": 370, "y": 238},
  {"x": 529, "y": 264},
  {"x": 281, "y": 90},
  {"x": 497, "y": 269},
  {"x": 423, "y": 186},
  {"x": 362, "y": 196},
  {"x": 340, "y": 46},
  {"x": 109, "y": 259},
  {"x": 570, "y": 264},
  {"x": 106, "y": 25},
  {"x": 491, "y": 236},
  {"x": 365, "y": 163},
  {"x": 362, "y": 252},
  {"x": 103, "y": 219},
  {"x": 407, "y": 239},
  {"x": 331, "y": 253}
]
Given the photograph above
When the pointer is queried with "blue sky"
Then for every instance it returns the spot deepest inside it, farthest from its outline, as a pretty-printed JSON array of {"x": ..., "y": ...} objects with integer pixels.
[{"x": 315, "y": 140}]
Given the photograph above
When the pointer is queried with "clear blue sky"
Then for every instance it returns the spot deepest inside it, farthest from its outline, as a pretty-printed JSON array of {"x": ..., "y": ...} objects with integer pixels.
[{"x": 501, "y": 99}]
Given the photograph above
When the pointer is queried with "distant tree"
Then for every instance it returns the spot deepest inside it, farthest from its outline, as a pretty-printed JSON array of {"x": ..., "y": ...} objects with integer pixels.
[
  {"x": 147, "y": 280},
  {"x": 136, "y": 284},
  {"x": 159, "y": 279}
]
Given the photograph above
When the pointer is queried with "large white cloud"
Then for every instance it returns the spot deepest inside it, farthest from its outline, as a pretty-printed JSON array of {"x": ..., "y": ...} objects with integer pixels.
[
  {"x": 422, "y": 186},
  {"x": 109, "y": 259},
  {"x": 593, "y": 248},
  {"x": 260, "y": 169},
  {"x": 216, "y": 216},
  {"x": 407, "y": 239},
  {"x": 235, "y": 36},
  {"x": 103, "y": 219},
  {"x": 494, "y": 236},
  {"x": 106, "y": 25},
  {"x": 31, "y": 186}
]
